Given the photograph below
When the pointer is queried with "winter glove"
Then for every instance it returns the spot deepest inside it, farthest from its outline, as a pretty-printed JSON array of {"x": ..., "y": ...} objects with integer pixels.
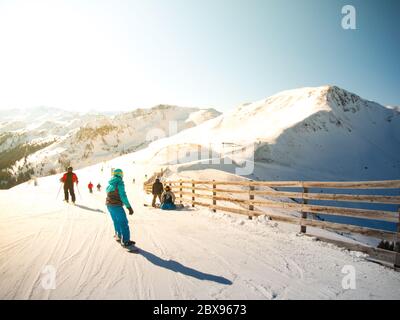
[{"x": 130, "y": 211}]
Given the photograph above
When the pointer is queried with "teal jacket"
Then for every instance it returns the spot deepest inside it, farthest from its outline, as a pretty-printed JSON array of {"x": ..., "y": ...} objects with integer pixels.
[{"x": 115, "y": 182}]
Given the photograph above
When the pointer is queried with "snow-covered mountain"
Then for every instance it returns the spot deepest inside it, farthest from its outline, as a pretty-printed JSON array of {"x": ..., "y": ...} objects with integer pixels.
[
  {"x": 42, "y": 140},
  {"x": 308, "y": 133},
  {"x": 322, "y": 133}
]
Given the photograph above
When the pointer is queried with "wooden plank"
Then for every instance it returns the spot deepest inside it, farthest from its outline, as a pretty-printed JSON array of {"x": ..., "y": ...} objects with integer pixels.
[
  {"x": 199, "y": 195},
  {"x": 380, "y": 234},
  {"x": 353, "y": 198},
  {"x": 217, "y": 189},
  {"x": 380, "y": 254},
  {"x": 227, "y": 209},
  {"x": 272, "y": 216},
  {"x": 348, "y": 212},
  {"x": 246, "y": 183},
  {"x": 331, "y": 197},
  {"x": 387, "y": 184},
  {"x": 335, "y": 211},
  {"x": 312, "y": 196}
]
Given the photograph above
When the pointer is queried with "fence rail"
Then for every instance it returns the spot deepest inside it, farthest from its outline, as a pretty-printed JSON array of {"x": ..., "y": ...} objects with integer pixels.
[{"x": 210, "y": 194}]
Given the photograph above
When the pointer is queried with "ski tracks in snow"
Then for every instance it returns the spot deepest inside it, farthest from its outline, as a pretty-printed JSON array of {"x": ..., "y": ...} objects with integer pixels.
[{"x": 184, "y": 255}]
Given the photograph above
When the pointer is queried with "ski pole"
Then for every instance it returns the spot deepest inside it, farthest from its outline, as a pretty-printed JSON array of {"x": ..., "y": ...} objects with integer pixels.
[
  {"x": 58, "y": 191},
  {"x": 77, "y": 187}
]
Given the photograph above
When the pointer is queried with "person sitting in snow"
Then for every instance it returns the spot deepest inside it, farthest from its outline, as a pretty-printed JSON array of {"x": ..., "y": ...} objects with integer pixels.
[
  {"x": 69, "y": 178},
  {"x": 168, "y": 199},
  {"x": 116, "y": 198},
  {"x": 99, "y": 187}
]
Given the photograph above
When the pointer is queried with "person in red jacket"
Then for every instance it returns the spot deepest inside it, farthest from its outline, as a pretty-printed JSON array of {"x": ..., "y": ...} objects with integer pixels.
[
  {"x": 90, "y": 186},
  {"x": 69, "y": 178}
]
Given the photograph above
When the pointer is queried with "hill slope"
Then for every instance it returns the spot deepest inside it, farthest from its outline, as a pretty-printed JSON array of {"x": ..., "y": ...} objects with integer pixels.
[{"x": 189, "y": 254}]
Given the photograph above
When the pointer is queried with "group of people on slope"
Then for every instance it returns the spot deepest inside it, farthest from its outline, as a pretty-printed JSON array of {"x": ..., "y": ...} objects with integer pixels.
[
  {"x": 166, "y": 197},
  {"x": 90, "y": 187},
  {"x": 117, "y": 198}
]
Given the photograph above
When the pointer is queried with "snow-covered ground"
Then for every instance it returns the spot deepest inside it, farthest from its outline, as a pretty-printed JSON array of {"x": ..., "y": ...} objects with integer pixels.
[{"x": 188, "y": 254}]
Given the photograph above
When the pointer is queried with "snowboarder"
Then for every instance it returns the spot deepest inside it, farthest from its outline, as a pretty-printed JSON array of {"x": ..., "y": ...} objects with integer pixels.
[
  {"x": 116, "y": 198},
  {"x": 90, "y": 187},
  {"x": 157, "y": 190},
  {"x": 168, "y": 199},
  {"x": 69, "y": 178},
  {"x": 99, "y": 187}
]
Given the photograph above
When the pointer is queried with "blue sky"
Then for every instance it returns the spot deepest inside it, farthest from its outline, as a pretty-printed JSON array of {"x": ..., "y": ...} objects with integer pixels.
[{"x": 106, "y": 55}]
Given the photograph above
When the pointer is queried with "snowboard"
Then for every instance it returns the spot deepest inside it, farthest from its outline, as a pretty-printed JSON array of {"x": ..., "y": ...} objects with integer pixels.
[
  {"x": 178, "y": 206},
  {"x": 132, "y": 248}
]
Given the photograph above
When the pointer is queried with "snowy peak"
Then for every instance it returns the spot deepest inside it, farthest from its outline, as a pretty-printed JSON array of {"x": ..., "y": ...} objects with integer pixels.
[
  {"x": 341, "y": 97},
  {"x": 307, "y": 133},
  {"x": 289, "y": 108}
]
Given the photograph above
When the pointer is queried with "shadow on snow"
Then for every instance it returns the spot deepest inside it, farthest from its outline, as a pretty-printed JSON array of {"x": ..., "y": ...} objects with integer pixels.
[
  {"x": 89, "y": 209},
  {"x": 178, "y": 267}
]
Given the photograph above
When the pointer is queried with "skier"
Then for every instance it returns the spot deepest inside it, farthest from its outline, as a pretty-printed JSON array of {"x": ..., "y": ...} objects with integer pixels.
[
  {"x": 90, "y": 186},
  {"x": 168, "y": 199},
  {"x": 69, "y": 178},
  {"x": 116, "y": 198},
  {"x": 157, "y": 190},
  {"x": 99, "y": 187}
]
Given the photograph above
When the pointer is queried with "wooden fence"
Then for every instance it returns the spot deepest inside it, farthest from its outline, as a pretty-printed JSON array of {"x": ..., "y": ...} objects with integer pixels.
[{"x": 209, "y": 193}]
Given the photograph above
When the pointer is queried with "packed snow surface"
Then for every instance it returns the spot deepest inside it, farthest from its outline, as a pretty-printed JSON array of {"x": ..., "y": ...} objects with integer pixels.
[{"x": 187, "y": 254}]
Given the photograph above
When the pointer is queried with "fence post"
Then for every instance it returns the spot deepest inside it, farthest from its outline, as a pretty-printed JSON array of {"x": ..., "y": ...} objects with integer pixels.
[
  {"x": 397, "y": 244},
  {"x": 214, "y": 195},
  {"x": 251, "y": 197},
  {"x": 193, "y": 193},
  {"x": 180, "y": 191},
  {"x": 303, "y": 229}
]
